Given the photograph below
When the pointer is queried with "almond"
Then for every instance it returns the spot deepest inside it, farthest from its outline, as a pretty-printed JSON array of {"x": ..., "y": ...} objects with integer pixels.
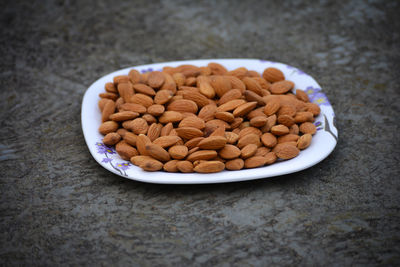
[
  {"x": 272, "y": 107},
  {"x": 108, "y": 109},
  {"x": 170, "y": 116},
  {"x": 108, "y": 127},
  {"x": 231, "y": 105},
  {"x": 184, "y": 166},
  {"x": 206, "y": 89},
  {"x": 225, "y": 116},
  {"x": 170, "y": 166},
  {"x": 229, "y": 152},
  {"x": 107, "y": 95},
  {"x": 294, "y": 129},
  {"x": 307, "y": 128},
  {"x": 156, "y": 110},
  {"x": 207, "y": 112},
  {"x": 188, "y": 133},
  {"x": 205, "y": 70},
  {"x": 144, "y": 89},
  {"x": 183, "y": 105},
  {"x": 135, "y": 77},
  {"x": 263, "y": 83},
  {"x": 254, "y": 162},
  {"x": 154, "y": 131},
  {"x": 167, "y": 141},
  {"x": 155, "y": 79},
  {"x": 141, "y": 142},
  {"x": 212, "y": 142},
  {"x": 111, "y": 139},
  {"x": 271, "y": 121},
  {"x": 273, "y": 75},
  {"x": 101, "y": 103},
  {"x": 301, "y": 95},
  {"x": 288, "y": 138},
  {"x": 178, "y": 152},
  {"x": 209, "y": 167},
  {"x": 110, "y": 87},
  {"x": 244, "y": 109},
  {"x": 142, "y": 99},
  {"x": 151, "y": 165},
  {"x": 248, "y": 151},
  {"x": 196, "y": 97},
  {"x": 236, "y": 83},
  {"x": 220, "y": 131},
  {"x": 303, "y": 116},
  {"x": 125, "y": 151},
  {"x": 269, "y": 140},
  {"x": 238, "y": 72},
  {"x": 163, "y": 96},
  {"x": 258, "y": 121},
  {"x": 134, "y": 107},
  {"x": 138, "y": 126},
  {"x": 124, "y": 115},
  {"x": 130, "y": 138},
  {"x": 270, "y": 158},
  {"x": 230, "y": 95},
  {"x": 279, "y": 129},
  {"x": 236, "y": 123},
  {"x": 120, "y": 79},
  {"x": 169, "y": 83},
  {"x": 313, "y": 108},
  {"x": 252, "y": 85},
  {"x": 194, "y": 121},
  {"x": 125, "y": 90},
  {"x": 287, "y": 110},
  {"x": 220, "y": 84},
  {"x": 249, "y": 130},
  {"x": 157, "y": 152},
  {"x": 137, "y": 160},
  {"x": 286, "y": 120},
  {"x": 253, "y": 97},
  {"x": 179, "y": 78},
  {"x": 122, "y": 132},
  {"x": 202, "y": 155},
  {"x": 149, "y": 118},
  {"x": 188, "y": 70},
  {"x": 166, "y": 129},
  {"x": 281, "y": 87},
  {"x": 304, "y": 141},
  {"x": 217, "y": 69},
  {"x": 192, "y": 143},
  {"x": 249, "y": 139},
  {"x": 262, "y": 151},
  {"x": 287, "y": 151},
  {"x": 231, "y": 137},
  {"x": 234, "y": 164}
]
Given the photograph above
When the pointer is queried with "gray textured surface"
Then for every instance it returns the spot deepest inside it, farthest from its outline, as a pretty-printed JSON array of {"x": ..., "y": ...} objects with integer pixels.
[{"x": 58, "y": 206}]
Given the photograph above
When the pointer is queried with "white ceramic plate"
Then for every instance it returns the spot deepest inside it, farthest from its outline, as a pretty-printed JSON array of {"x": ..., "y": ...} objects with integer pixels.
[{"x": 323, "y": 142}]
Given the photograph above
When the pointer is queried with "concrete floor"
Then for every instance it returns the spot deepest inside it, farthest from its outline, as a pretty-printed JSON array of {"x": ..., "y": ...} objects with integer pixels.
[{"x": 59, "y": 207}]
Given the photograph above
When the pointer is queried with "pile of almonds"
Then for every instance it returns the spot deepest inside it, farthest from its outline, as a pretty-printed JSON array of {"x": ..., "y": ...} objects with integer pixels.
[{"x": 205, "y": 119}]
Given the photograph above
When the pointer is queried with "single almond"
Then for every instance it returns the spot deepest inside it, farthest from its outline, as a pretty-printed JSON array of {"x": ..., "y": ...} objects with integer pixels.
[
  {"x": 108, "y": 127},
  {"x": 108, "y": 95},
  {"x": 120, "y": 79},
  {"x": 188, "y": 133},
  {"x": 202, "y": 155},
  {"x": 190, "y": 81},
  {"x": 269, "y": 140},
  {"x": 254, "y": 162},
  {"x": 219, "y": 131},
  {"x": 301, "y": 95},
  {"x": 286, "y": 120},
  {"x": 225, "y": 116},
  {"x": 254, "y": 97},
  {"x": 142, "y": 99},
  {"x": 238, "y": 72},
  {"x": 272, "y": 107},
  {"x": 110, "y": 87},
  {"x": 154, "y": 131},
  {"x": 258, "y": 121},
  {"x": 248, "y": 151},
  {"x": 231, "y": 137},
  {"x": 178, "y": 151},
  {"x": 134, "y": 107},
  {"x": 231, "y": 105},
  {"x": 263, "y": 83},
  {"x": 151, "y": 165},
  {"x": 141, "y": 142},
  {"x": 183, "y": 105},
  {"x": 192, "y": 143},
  {"x": 170, "y": 166},
  {"x": 279, "y": 129},
  {"x": 125, "y": 90},
  {"x": 307, "y": 128},
  {"x": 169, "y": 83},
  {"x": 294, "y": 129},
  {"x": 157, "y": 152},
  {"x": 130, "y": 138},
  {"x": 229, "y": 152},
  {"x": 288, "y": 138},
  {"x": 184, "y": 166},
  {"x": 217, "y": 69},
  {"x": 179, "y": 78},
  {"x": 156, "y": 110},
  {"x": 170, "y": 116},
  {"x": 249, "y": 139},
  {"x": 137, "y": 160},
  {"x": 313, "y": 108},
  {"x": 237, "y": 83},
  {"x": 124, "y": 115},
  {"x": 194, "y": 121},
  {"x": 108, "y": 109},
  {"x": 270, "y": 158},
  {"x": 273, "y": 75},
  {"x": 155, "y": 79},
  {"x": 218, "y": 123},
  {"x": 162, "y": 96},
  {"x": 234, "y": 164},
  {"x": 166, "y": 129},
  {"x": 221, "y": 84},
  {"x": 287, "y": 110},
  {"x": 230, "y": 95},
  {"x": 206, "y": 89},
  {"x": 252, "y": 85},
  {"x": 125, "y": 151},
  {"x": 196, "y": 97},
  {"x": 244, "y": 109},
  {"x": 304, "y": 116},
  {"x": 212, "y": 142},
  {"x": 281, "y": 87},
  {"x": 209, "y": 167},
  {"x": 167, "y": 141},
  {"x": 236, "y": 123},
  {"x": 144, "y": 89},
  {"x": 262, "y": 151},
  {"x": 138, "y": 126},
  {"x": 149, "y": 118},
  {"x": 249, "y": 130},
  {"x": 287, "y": 151},
  {"x": 207, "y": 112},
  {"x": 304, "y": 141},
  {"x": 111, "y": 139},
  {"x": 135, "y": 77}
]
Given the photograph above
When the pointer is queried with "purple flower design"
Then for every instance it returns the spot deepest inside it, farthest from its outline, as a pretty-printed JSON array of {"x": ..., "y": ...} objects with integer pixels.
[
  {"x": 103, "y": 149},
  {"x": 123, "y": 165},
  {"x": 316, "y": 96},
  {"x": 106, "y": 160},
  {"x": 149, "y": 69},
  {"x": 318, "y": 124}
]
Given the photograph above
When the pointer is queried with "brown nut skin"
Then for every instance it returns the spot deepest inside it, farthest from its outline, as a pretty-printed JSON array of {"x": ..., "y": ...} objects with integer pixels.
[{"x": 111, "y": 139}]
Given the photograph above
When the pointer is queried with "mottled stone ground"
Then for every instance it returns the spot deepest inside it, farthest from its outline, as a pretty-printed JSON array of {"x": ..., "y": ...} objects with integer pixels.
[{"x": 58, "y": 206}]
